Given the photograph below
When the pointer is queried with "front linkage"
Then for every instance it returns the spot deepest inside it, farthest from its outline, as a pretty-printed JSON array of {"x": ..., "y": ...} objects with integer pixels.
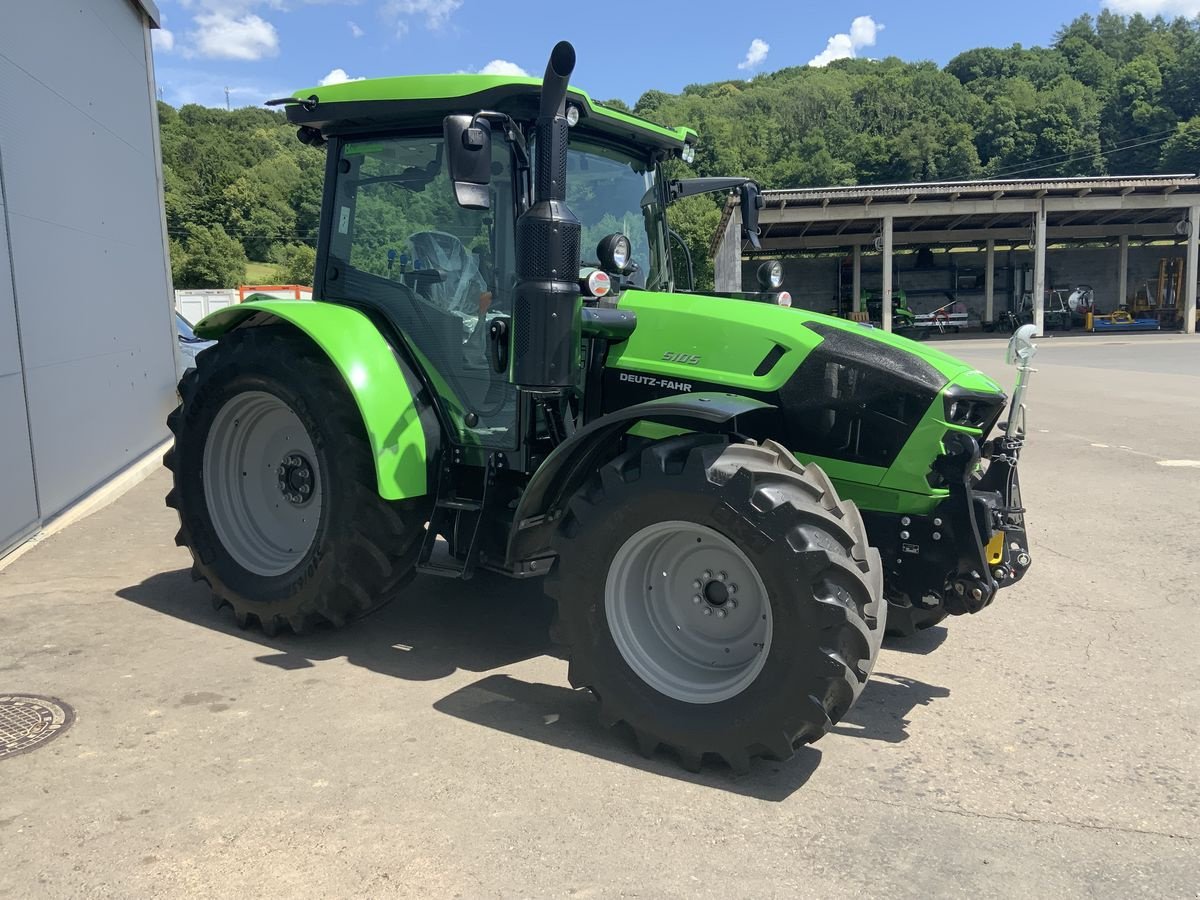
[{"x": 974, "y": 543}]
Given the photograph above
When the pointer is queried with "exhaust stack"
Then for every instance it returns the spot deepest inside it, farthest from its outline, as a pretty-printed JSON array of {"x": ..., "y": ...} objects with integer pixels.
[{"x": 547, "y": 313}]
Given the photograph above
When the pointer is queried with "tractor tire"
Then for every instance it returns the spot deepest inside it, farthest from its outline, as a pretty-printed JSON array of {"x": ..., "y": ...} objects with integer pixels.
[
  {"x": 906, "y": 620},
  {"x": 718, "y": 598},
  {"x": 275, "y": 487}
]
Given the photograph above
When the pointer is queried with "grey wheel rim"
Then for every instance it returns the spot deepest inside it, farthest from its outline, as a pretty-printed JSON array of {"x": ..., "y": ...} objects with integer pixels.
[
  {"x": 688, "y": 612},
  {"x": 261, "y": 483}
]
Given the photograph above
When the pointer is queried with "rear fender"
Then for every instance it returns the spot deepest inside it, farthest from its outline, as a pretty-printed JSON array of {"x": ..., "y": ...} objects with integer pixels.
[
  {"x": 396, "y": 415},
  {"x": 579, "y": 456}
]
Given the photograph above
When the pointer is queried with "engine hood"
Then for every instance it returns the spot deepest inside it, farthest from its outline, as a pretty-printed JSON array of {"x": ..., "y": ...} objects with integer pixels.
[{"x": 757, "y": 347}]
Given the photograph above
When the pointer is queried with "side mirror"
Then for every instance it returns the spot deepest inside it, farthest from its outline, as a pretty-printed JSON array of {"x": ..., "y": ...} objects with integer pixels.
[
  {"x": 469, "y": 152},
  {"x": 1021, "y": 347},
  {"x": 751, "y": 204}
]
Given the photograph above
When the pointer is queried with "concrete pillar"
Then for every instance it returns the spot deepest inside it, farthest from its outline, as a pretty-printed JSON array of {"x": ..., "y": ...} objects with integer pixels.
[
  {"x": 856, "y": 281},
  {"x": 887, "y": 273},
  {"x": 1189, "y": 273},
  {"x": 1123, "y": 271},
  {"x": 989, "y": 283},
  {"x": 1039, "y": 269}
]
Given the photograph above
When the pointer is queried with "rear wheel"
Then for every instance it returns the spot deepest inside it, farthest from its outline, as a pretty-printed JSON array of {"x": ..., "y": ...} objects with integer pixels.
[
  {"x": 718, "y": 598},
  {"x": 275, "y": 487}
]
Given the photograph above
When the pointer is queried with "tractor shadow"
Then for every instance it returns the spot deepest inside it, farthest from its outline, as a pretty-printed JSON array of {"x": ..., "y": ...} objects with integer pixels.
[
  {"x": 431, "y": 629},
  {"x": 566, "y": 719},
  {"x": 922, "y": 643},
  {"x": 881, "y": 713},
  {"x": 436, "y": 627}
]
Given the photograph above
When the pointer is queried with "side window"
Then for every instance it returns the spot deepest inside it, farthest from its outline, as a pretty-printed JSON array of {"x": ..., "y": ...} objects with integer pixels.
[
  {"x": 438, "y": 272},
  {"x": 397, "y": 219}
]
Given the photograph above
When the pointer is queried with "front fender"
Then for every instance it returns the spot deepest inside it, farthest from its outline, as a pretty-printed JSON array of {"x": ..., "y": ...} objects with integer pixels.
[
  {"x": 387, "y": 395},
  {"x": 581, "y": 454}
]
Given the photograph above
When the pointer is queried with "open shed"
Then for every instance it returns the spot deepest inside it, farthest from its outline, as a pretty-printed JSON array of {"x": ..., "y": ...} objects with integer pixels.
[{"x": 1103, "y": 216}]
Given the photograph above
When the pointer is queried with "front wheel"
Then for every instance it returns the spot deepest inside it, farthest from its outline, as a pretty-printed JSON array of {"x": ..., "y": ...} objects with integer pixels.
[{"x": 718, "y": 598}]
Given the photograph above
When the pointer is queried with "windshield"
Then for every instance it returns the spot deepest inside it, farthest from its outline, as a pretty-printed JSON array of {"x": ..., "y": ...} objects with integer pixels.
[{"x": 605, "y": 189}]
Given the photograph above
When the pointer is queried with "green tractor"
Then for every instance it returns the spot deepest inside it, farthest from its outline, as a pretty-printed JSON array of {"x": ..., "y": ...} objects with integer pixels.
[{"x": 730, "y": 500}]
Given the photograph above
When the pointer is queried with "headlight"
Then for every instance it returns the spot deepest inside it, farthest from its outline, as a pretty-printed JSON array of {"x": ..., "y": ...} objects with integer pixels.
[
  {"x": 614, "y": 253},
  {"x": 572, "y": 115},
  {"x": 770, "y": 275},
  {"x": 972, "y": 410}
]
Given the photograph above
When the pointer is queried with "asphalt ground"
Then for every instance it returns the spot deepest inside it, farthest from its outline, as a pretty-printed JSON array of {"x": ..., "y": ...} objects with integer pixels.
[{"x": 1043, "y": 748}]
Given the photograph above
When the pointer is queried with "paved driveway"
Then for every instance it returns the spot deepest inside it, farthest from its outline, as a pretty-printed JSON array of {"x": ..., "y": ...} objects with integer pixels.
[{"x": 1046, "y": 747}]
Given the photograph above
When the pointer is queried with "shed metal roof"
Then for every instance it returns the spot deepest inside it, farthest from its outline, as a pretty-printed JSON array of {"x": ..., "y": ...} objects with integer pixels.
[{"x": 1150, "y": 206}]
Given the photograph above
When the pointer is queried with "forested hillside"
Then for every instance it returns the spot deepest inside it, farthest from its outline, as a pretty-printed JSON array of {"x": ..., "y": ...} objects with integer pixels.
[{"x": 1112, "y": 95}]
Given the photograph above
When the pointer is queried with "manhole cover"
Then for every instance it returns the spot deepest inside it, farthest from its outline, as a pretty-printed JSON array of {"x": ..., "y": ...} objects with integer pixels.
[{"x": 28, "y": 721}]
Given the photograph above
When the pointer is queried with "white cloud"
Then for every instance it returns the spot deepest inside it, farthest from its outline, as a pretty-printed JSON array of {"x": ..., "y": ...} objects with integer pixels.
[
  {"x": 336, "y": 76},
  {"x": 756, "y": 54},
  {"x": 863, "y": 32},
  {"x": 224, "y": 36},
  {"x": 163, "y": 40},
  {"x": 436, "y": 13},
  {"x": 355, "y": 30},
  {"x": 503, "y": 67},
  {"x": 1151, "y": 8}
]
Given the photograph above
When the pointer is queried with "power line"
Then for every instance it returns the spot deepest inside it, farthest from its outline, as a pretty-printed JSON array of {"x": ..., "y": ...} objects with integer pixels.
[
  {"x": 1067, "y": 157},
  {"x": 1104, "y": 153}
]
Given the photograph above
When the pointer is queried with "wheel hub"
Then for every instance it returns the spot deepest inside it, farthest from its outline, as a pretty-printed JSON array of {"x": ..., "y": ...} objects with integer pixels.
[
  {"x": 295, "y": 479},
  {"x": 679, "y": 617},
  {"x": 262, "y": 486}
]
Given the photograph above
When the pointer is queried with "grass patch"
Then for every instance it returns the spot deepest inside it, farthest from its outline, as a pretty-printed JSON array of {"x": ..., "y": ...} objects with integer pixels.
[{"x": 260, "y": 272}]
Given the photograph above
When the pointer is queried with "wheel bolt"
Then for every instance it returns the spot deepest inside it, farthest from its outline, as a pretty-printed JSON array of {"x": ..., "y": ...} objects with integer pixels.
[
  {"x": 732, "y": 588},
  {"x": 304, "y": 488},
  {"x": 696, "y": 584},
  {"x": 731, "y": 603},
  {"x": 708, "y": 610},
  {"x": 280, "y": 471},
  {"x": 304, "y": 473},
  {"x": 697, "y": 598},
  {"x": 720, "y": 613},
  {"x": 706, "y": 575},
  {"x": 721, "y": 576}
]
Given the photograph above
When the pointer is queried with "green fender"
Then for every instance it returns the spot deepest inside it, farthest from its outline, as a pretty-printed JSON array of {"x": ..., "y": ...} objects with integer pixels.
[{"x": 372, "y": 372}]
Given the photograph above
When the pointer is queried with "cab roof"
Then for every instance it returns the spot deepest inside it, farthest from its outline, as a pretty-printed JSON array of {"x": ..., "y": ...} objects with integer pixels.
[{"x": 416, "y": 100}]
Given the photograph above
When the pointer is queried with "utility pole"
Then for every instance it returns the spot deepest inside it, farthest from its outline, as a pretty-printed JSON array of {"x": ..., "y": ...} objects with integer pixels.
[{"x": 226, "y": 99}]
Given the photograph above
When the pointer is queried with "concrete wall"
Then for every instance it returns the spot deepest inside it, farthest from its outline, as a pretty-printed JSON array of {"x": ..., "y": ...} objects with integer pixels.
[
  {"x": 813, "y": 281},
  {"x": 87, "y": 348}
]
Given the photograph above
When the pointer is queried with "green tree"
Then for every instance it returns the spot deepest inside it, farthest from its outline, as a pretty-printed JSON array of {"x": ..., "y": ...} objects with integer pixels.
[
  {"x": 295, "y": 264},
  {"x": 1181, "y": 154},
  {"x": 211, "y": 259}
]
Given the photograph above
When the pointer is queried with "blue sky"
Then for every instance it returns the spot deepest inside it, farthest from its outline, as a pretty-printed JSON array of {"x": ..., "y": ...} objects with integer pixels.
[{"x": 268, "y": 48}]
